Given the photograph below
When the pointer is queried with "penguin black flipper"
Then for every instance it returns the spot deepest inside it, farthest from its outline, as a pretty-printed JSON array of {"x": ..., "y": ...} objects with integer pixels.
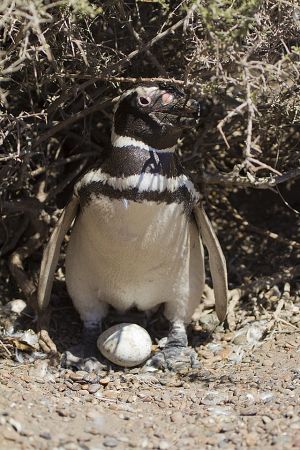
[
  {"x": 217, "y": 262},
  {"x": 52, "y": 251}
]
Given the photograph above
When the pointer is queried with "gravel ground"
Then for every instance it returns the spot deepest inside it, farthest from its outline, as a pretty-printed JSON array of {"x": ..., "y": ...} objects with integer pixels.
[{"x": 245, "y": 396}]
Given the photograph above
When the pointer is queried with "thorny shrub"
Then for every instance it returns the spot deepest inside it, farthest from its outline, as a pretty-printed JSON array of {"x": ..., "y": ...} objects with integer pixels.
[{"x": 61, "y": 64}]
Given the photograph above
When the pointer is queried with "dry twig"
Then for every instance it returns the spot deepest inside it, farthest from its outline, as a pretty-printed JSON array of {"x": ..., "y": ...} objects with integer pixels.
[{"x": 234, "y": 179}]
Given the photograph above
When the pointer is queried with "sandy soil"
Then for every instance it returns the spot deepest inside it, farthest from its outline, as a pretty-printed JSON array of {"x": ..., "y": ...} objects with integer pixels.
[{"x": 245, "y": 396}]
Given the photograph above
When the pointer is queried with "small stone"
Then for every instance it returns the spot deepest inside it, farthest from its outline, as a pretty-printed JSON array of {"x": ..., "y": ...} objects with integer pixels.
[
  {"x": 214, "y": 398},
  {"x": 27, "y": 433},
  {"x": 16, "y": 425},
  {"x": 110, "y": 393},
  {"x": 94, "y": 388},
  {"x": 250, "y": 411},
  {"x": 251, "y": 439},
  {"x": 99, "y": 394},
  {"x": 62, "y": 412},
  {"x": 91, "y": 378},
  {"x": 94, "y": 447},
  {"x": 2, "y": 420},
  {"x": 266, "y": 419},
  {"x": 75, "y": 387},
  {"x": 78, "y": 376},
  {"x": 131, "y": 399},
  {"x": 10, "y": 435},
  {"x": 162, "y": 405},
  {"x": 176, "y": 417},
  {"x": 110, "y": 441},
  {"x": 92, "y": 430},
  {"x": 16, "y": 306},
  {"x": 104, "y": 381},
  {"x": 221, "y": 411},
  {"x": 145, "y": 443},
  {"x": 296, "y": 442},
  {"x": 267, "y": 363},
  {"x": 266, "y": 396},
  {"x": 45, "y": 435},
  {"x": 83, "y": 392},
  {"x": 70, "y": 446}
]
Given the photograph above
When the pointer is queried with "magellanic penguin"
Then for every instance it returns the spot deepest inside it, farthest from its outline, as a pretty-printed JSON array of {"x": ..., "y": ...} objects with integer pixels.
[{"x": 138, "y": 230}]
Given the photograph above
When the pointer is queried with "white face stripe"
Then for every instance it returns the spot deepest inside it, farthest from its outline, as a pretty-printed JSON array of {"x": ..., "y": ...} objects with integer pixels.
[
  {"x": 126, "y": 141},
  {"x": 144, "y": 90},
  {"x": 144, "y": 182},
  {"x": 140, "y": 90}
]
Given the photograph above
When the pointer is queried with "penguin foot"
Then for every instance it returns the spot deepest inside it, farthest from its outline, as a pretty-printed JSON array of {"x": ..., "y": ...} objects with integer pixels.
[
  {"x": 173, "y": 359},
  {"x": 79, "y": 357}
]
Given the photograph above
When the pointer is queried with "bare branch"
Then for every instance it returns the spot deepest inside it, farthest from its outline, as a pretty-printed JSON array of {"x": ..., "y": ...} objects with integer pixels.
[
  {"x": 287, "y": 273},
  {"x": 235, "y": 179},
  {"x": 227, "y": 118},
  {"x": 113, "y": 68},
  {"x": 70, "y": 121},
  {"x": 133, "y": 80}
]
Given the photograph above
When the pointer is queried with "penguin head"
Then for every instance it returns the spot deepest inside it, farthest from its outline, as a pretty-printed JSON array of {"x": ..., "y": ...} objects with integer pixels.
[{"x": 155, "y": 114}]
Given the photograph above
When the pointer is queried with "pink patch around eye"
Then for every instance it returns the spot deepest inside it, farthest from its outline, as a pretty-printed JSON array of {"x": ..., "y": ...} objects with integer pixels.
[{"x": 167, "y": 98}]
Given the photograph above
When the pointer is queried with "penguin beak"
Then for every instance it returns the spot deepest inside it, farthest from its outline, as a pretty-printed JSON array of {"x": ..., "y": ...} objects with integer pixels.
[{"x": 173, "y": 110}]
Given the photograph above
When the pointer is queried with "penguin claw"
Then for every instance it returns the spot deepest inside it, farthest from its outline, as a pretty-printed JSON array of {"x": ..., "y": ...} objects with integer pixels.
[
  {"x": 76, "y": 358},
  {"x": 173, "y": 359}
]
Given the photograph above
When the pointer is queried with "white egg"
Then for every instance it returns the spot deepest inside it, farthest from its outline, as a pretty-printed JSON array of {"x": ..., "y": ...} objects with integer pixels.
[{"x": 125, "y": 344}]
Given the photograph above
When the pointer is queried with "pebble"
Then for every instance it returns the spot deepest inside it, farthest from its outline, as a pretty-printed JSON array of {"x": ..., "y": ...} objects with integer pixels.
[
  {"x": 214, "y": 398},
  {"x": 70, "y": 446},
  {"x": 251, "y": 439},
  {"x": 91, "y": 378},
  {"x": 266, "y": 396},
  {"x": 296, "y": 442},
  {"x": 110, "y": 442},
  {"x": 62, "y": 412},
  {"x": 266, "y": 419},
  {"x": 83, "y": 392},
  {"x": 75, "y": 386},
  {"x": 78, "y": 376},
  {"x": 10, "y": 435},
  {"x": 15, "y": 424},
  {"x": 250, "y": 411},
  {"x": 16, "y": 306},
  {"x": 94, "y": 388},
  {"x": 45, "y": 435},
  {"x": 221, "y": 411},
  {"x": 176, "y": 417},
  {"x": 109, "y": 393}
]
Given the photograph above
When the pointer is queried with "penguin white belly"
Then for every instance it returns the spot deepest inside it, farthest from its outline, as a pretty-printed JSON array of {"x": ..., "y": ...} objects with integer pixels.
[{"x": 126, "y": 254}]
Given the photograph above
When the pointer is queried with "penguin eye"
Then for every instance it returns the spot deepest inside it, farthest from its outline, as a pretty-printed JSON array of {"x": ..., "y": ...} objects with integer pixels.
[{"x": 144, "y": 101}]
